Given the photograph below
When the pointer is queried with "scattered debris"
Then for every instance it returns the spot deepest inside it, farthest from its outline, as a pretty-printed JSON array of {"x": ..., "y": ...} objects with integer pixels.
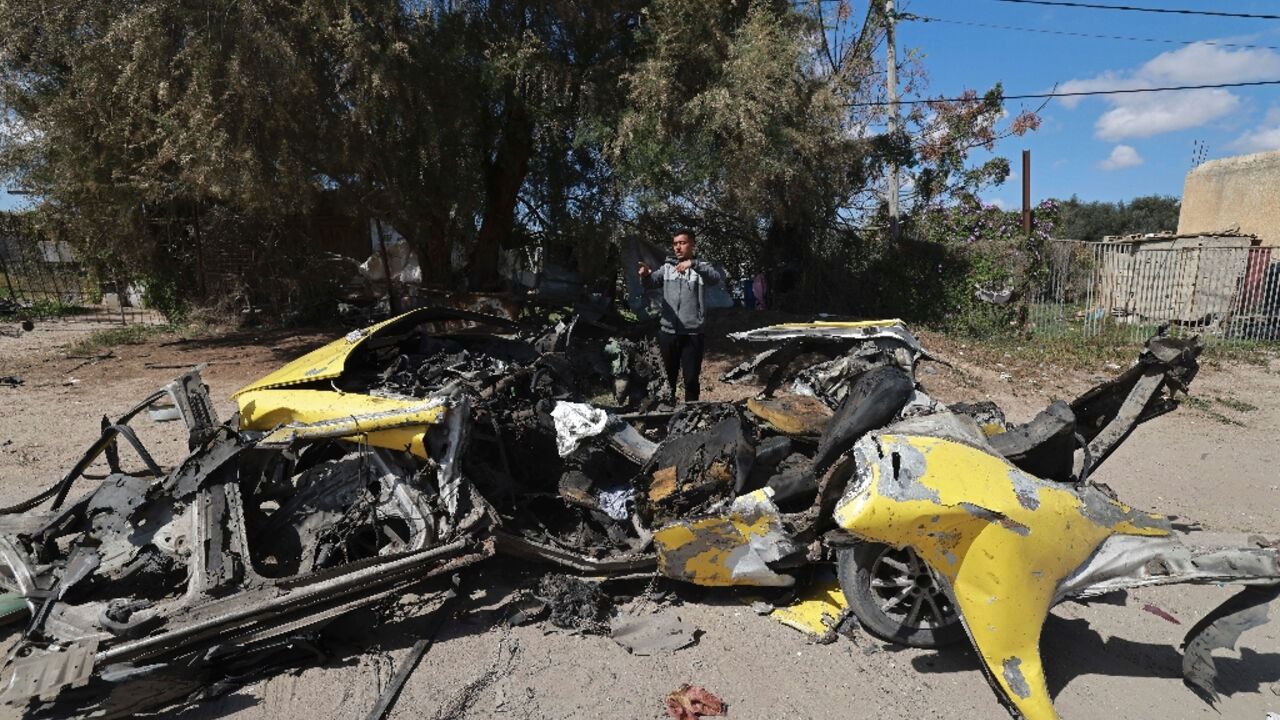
[
  {"x": 99, "y": 356},
  {"x": 994, "y": 297},
  {"x": 10, "y": 306},
  {"x": 575, "y": 604},
  {"x": 689, "y": 702},
  {"x": 1162, "y": 614},
  {"x": 407, "y": 665},
  {"x": 94, "y": 359},
  {"x": 818, "y": 610},
  {"x": 659, "y": 634},
  {"x": 576, "y": 422},
  {"x": 735, "y": 548},
  {"x": 434, "y": 440},
  {"x": 1221, "y": 629}
]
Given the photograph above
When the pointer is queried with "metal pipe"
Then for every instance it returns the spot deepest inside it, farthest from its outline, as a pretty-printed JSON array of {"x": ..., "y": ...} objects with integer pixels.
[{"x": 332, "y": 589}]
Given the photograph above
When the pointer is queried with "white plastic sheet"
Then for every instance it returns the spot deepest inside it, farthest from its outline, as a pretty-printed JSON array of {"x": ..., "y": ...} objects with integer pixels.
[{"x": 576, "y": 422}]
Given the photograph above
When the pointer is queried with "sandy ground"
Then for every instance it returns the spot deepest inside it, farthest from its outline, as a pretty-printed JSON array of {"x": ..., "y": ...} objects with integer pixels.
[{"x": 1212, "y": 465}]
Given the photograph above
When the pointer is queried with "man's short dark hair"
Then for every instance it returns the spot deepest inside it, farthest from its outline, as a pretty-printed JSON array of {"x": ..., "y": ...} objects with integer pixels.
[{"x": 684, "y": 231}]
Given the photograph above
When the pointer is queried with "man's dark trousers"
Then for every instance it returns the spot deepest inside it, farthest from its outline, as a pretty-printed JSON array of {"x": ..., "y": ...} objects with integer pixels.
[{"x": 682, "y": 354}]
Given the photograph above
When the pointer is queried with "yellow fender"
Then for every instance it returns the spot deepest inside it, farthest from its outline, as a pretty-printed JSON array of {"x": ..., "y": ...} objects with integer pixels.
[
  {"x": 1003, "y": 539},
  {"x": 290, "y": 415}
]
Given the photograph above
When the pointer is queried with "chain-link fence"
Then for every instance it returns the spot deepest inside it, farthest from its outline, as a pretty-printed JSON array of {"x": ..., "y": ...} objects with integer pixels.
[
  {"x": 46, "y": 279},
  {"x": 1217, "y": 287}
]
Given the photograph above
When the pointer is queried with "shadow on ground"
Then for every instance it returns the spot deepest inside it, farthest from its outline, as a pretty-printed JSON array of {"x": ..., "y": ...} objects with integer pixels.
[{"x": 1071, "y": 649}]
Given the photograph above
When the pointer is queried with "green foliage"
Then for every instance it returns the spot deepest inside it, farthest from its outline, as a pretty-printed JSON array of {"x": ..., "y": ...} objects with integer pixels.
[
  {"x": 112, "y": 337},
  {"x": 726, "y": 128},
  {"x": 167, "y": 293},
  {"x": 159, "y": 134},
  {"x": 49, "y": 309},
  {"x": 1092, "y": 221},
  {"x": 975, "y": 247}
]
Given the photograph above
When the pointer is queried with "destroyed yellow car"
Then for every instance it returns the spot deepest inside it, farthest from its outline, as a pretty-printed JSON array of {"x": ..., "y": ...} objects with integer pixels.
[{"x": 438, "y": 438}]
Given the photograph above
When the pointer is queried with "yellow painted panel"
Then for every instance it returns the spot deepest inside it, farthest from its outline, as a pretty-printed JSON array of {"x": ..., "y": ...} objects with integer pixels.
[
  {"x": 728, "y": 549},
  {"x": 299, "y": 414},
  {"x": 1003, "y": 540},
  {"x": 817, "y": 610},
  {"x": 323, "y": 363}
]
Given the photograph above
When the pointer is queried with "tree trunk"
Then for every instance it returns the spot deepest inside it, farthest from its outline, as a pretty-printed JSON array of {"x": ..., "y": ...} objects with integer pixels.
[
  {"x": 504, "y": 176},
  {"x": 437, "y": 256}
]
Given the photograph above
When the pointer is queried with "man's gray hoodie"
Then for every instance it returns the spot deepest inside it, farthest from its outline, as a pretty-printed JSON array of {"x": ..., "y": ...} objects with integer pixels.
[{"x": 682, "y": 294}]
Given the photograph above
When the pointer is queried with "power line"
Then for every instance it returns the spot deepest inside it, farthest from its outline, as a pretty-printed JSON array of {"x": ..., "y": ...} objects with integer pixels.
[
  {"x": 929, "y": 18},
  {"x": 1077, "y": 93},
  {"x": 1172, "y": 11}
]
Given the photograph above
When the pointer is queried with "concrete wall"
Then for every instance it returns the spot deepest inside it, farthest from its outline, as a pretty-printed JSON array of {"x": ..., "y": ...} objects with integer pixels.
[{"x": 1242, "y": 191}]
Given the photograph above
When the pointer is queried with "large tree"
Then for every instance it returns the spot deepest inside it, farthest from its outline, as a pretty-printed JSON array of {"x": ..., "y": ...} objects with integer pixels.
[
  {"x": 471, "y": 125},
  {"x": 1095, "y": 220}
]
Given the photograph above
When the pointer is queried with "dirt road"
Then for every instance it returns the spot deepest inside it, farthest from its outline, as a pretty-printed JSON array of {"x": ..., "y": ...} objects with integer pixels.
[{"x": 1213, "y": 465}]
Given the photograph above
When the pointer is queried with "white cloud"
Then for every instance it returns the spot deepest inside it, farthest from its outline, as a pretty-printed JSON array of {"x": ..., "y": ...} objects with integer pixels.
[
  {"x": 1000, "y": 203},
  {"x": 1201, "y": 63},
  {"x": 1122, "y": 156},
  {"x": 1262, "y": 138},
  {"x": 1147, "y": 114},
  {"x": 1141, "y": 116}
]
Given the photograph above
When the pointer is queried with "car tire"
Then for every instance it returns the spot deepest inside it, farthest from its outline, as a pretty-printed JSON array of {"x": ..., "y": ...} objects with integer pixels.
[{"x": 896, "y": 597}]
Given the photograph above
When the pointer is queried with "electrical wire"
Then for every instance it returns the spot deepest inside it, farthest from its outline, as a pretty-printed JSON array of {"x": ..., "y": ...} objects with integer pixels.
[
  {"x": 1046, "y": 31},
  {"x": 1131, "y": 8},
  {"x": 1077, "y": 93}
]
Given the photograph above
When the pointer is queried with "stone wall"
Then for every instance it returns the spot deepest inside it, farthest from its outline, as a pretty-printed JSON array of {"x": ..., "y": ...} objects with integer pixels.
[{"x": 1242, "y": 191}]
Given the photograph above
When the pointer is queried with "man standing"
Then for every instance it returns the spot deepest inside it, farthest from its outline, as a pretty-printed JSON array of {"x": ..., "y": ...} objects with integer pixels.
[{"x": 683, "y": 280}]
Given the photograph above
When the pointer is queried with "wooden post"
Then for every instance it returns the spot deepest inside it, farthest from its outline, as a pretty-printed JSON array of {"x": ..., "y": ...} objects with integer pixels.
[{"x": 1026, "y": 192}]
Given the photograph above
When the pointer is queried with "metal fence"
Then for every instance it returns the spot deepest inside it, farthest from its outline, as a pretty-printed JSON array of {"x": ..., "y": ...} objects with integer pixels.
[
  {"x": 45, "y": 279},
  {"x": 1127, "y": 290}
]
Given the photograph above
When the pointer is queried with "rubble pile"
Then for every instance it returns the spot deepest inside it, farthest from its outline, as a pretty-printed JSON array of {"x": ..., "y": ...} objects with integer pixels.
[{"x": 435, "y": 440}]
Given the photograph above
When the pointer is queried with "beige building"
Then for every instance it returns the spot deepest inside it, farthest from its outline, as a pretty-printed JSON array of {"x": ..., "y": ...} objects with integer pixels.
[{"x": 1237, "y": 194}]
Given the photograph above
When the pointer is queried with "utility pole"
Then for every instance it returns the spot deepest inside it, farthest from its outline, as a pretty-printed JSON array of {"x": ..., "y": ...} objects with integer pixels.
[
  {"x": 891, "y": 18},
  {"x": 1026, "y": 192}
]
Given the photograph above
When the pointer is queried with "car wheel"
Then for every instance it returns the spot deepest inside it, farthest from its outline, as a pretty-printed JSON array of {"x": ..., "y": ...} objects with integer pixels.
[{"x": 897, "y": 597}]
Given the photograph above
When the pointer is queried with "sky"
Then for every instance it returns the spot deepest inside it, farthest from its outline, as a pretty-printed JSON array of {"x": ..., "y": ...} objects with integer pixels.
[
  {"x": 1102, "y": 148},
  {"x": 1113, "y": 147}
]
